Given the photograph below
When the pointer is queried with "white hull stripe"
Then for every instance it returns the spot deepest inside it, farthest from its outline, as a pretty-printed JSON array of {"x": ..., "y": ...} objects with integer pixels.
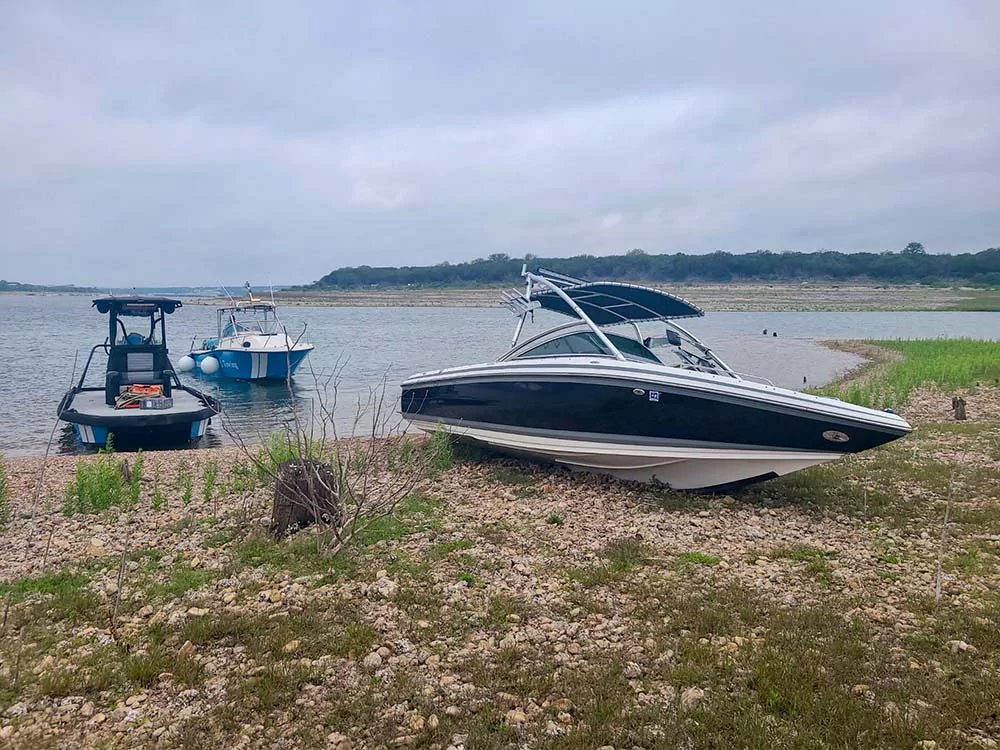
[{"x": 258, "y": 365}]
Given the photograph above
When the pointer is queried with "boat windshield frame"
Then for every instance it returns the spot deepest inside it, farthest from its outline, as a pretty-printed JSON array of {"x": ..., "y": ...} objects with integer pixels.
[
  {"x": 154, "y": 309},
  {"x": 697, "y": 356},
  {"x": 257, "y": 318}
]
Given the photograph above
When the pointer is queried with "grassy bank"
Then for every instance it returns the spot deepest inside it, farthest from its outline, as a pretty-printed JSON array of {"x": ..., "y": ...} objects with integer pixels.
[
  {"x": 947, "y": 364},
  {"x": 977, "y": 300},
  {"x": 510, "y": 605}
]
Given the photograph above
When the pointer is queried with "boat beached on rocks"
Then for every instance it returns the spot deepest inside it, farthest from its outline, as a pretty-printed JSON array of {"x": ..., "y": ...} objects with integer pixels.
[{"x": 596, "y": 399}]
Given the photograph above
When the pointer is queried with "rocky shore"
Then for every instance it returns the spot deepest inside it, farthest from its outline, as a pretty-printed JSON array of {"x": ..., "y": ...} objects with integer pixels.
[{"x": 512, "y": 605}]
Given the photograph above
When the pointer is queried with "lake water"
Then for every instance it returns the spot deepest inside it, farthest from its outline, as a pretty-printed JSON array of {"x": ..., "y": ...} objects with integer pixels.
[{"x": 40, "y": 336}]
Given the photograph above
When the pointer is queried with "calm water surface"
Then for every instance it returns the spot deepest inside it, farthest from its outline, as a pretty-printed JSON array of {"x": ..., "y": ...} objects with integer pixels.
[{"x": 40, "y": 336}]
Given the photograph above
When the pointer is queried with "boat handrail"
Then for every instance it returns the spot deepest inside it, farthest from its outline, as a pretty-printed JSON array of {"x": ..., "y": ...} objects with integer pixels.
[
  {"x": 554, "y": 286},
  {"x": 83, "y": 376}
]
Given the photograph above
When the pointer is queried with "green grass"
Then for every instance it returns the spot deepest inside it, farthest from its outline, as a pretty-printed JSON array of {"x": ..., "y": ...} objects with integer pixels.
[
  {"x": 59, "y": 583},
  {"x": 5, "y": 509},
  {"x": 413, "y": 513},
  {"x": 468, "y": 577},
  {"x": 817, "y": 561},
  {"x": 555, "y": 519},
  {"x": 283, "y": 447},
  {"x": 504, "y": 609},
  {"x": 947, "y": 363},
  {"x": 186, "y": 482},
  {"x": 209, "y": 476},
  {"x": 61, "y": 596},
  {"x": 974, "y": 558},
  {"x": 440, "y": 452},
  {"x": 444, "y": 549},
  {"x": 321, "y": 628},
  {"x": 980, "y": 300},
  {"x": 276, "y": 688},
  {"x": 685, "y": 559},
  {"x": 143, "y": 668},
  {"x": 242, "y": 478},
  {"x": 179, "y": 582},
  {"x": 789, "y": 687},
  {"x": 97, "y": 485},
  {"x": 299, "y": 555},
  {"x": 620, "y": 556}
]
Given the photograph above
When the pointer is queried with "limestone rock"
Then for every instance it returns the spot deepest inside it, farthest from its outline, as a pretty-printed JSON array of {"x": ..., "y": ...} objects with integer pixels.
[
  {"x": 692, "y": 697},
  {"x": 338, "y": 741}
]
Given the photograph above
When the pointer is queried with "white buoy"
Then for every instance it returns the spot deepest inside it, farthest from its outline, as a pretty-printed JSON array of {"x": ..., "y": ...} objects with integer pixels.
[
  {"x": 185, "y": 363},
  {"x": 210, "y": 365}
]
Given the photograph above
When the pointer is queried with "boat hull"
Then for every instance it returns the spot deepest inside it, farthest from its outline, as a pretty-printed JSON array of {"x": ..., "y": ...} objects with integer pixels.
[
  {"x": 245, "y": 364},
  {"x": 680, "y": 467},
  {"x": 688, "y": 430}
]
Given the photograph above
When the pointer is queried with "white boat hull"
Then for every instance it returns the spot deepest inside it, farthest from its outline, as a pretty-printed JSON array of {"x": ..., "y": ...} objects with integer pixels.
[{"x": 681, "y": 468}]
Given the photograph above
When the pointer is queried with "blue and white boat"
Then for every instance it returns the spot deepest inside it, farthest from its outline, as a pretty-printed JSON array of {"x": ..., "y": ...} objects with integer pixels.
[
  {"x": 251, "y": 344},
  {"x": 141, "y": 402}
]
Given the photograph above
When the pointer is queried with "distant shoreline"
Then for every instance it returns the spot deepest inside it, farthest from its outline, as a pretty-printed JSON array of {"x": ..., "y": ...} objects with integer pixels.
[
  {"x": 786, "y": 297},
  {"x": 741, "y": 297}
]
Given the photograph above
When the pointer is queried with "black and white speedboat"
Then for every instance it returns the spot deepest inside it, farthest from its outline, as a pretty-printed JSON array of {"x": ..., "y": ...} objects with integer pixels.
[
  {"x": 600, "y": 400},
  {"x": 141, "y": 402}
]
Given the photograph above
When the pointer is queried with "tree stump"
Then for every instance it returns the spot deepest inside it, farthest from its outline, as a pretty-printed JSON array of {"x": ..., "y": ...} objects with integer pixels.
[
  {"x": 304, "y": 493},
  {"x": 958, "y": 406}
]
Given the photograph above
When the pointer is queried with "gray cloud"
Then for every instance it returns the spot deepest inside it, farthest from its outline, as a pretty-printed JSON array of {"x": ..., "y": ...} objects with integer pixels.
[{"x": 278, "y": 142}]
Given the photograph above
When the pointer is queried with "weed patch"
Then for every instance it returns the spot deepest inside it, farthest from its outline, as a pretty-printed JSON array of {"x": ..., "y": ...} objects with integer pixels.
[
  {"x": 97, "y": 485},
  {"x": 5, "y": 509},
  {"x": 620, "y": 557},
  {"x": 686, "y": 559}
]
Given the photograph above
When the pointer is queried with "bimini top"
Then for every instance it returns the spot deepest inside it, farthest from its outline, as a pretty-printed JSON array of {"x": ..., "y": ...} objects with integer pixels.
[
  {"x": 139, "y": 307},
  {"x": 611, "y": 302}
]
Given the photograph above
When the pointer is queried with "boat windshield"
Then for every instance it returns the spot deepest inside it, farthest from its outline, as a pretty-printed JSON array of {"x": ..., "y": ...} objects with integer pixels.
[
  {"x": 137, "y": 331},
  {"x": 236, "y": 327},
  {"x": 587, "y": 343}
]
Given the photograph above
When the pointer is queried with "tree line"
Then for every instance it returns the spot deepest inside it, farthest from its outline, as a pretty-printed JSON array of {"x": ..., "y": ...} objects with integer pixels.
[
  {"x": 911, "y": 265},
  {"x": 17, "y": 286}
]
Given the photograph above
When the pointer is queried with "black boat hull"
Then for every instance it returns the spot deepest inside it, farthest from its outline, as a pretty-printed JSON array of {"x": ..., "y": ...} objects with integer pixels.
[{"x": 646, "y": 426}]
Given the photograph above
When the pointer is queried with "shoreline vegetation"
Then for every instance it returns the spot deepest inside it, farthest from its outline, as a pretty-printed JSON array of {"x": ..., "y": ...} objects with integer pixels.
[
  {"x": 912, "y": 265},
  {"x": 508, "y": 604}
]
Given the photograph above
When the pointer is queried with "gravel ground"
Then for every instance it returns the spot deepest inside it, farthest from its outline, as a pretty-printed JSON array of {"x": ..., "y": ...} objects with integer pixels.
[{"x": 512, "y": 605}]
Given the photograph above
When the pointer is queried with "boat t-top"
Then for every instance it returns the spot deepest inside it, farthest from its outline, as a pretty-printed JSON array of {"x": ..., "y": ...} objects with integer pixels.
[
  {"x": 142, "y": 401},
  {"x": 250, "y": 344},
  {"x": 591, "y": 394}
]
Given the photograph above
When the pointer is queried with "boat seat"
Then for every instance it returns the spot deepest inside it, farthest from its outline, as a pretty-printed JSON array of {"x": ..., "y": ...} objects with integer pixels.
[{"x": 139, "y": 370}]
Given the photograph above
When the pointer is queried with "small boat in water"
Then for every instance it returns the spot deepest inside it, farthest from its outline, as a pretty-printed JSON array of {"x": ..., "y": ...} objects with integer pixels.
[
  {"x": 142, "y": 402},
  {"x": 250, "y": 344},
  {"x": 594, "y": 399}
]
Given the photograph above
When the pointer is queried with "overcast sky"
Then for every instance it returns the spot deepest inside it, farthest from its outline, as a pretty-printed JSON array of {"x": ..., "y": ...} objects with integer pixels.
[{"x": 198, "y": 142}]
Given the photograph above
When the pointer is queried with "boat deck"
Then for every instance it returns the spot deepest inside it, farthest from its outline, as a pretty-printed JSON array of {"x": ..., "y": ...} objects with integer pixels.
[{"x": 91, "y": 403}]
